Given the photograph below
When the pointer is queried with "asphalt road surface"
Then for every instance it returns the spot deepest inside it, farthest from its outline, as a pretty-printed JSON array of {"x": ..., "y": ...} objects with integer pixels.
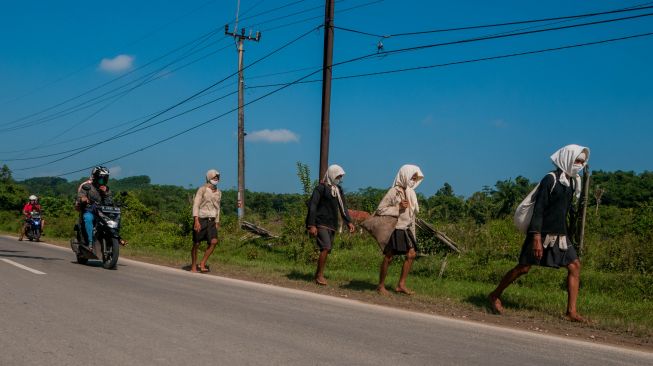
[{"x": 56, "y": 312}]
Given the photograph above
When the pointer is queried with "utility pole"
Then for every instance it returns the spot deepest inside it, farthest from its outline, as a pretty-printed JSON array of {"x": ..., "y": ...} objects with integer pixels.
[
  {"x": 241, "y": 113},
  {"x": 326, "y": 86}
]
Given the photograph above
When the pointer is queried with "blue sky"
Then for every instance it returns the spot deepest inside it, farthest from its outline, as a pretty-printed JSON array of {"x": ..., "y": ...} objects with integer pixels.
[{"x": 469, "y": 125}]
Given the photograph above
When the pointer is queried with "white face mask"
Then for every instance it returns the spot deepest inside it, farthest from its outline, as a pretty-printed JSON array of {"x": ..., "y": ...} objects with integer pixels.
[
  {"x": 214, "y": 182},
  {"x": 337, "y": 181},
  {"x": 575, "y": 169},
  {"x": 411, "y": 183}
]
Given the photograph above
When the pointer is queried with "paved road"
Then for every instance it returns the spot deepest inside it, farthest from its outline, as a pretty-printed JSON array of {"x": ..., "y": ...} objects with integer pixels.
[{"x": 56, "y": 312}]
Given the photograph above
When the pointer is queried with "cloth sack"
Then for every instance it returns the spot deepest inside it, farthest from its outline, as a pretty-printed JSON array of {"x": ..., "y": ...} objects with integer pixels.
[
  {"x": 524, "y": 211},
  {"x": 380, "y": 227}
]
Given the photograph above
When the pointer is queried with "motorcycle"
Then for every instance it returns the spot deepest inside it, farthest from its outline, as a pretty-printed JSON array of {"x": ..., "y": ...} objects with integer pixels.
[
  {"x": 33, "y": 231},
  {"x": 106, "y": 237}
]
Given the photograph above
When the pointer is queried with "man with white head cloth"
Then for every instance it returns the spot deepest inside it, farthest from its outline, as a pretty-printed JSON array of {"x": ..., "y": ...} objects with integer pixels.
[
  {"x": 548, "y": 241},
  {"x": 401, "y": 202},
  {"x": 206, "y": 217},
  {"x": 326, "y": 204}
]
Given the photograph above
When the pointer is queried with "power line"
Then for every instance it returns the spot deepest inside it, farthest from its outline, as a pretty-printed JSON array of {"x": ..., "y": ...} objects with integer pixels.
[
  {"x": 525, "y": 53},
  {"x": 425, "y": 67},
  {"x": 486, "y": 38},
  {"x": 265, "y": 12},
  {"x": 206, "y": 35},
  {"x": 98, "y": 99},
  {"x": 321, "y": 16},
  {"x": 568, "y": 17},
  {"x": 147, "y": 35},
  {"x": 85, "y": 104},
  {"x": 213, "y": 31},
  {"x": 302, "y": 80},
  {"x": 74, "y": 152},
  {"x": 191, "y": 128}
]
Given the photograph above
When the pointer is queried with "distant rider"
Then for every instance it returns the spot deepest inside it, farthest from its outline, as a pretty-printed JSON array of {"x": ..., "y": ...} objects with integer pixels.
[
  {"x": 31, "y": 206},
  {"x": 92, "y": 194}
]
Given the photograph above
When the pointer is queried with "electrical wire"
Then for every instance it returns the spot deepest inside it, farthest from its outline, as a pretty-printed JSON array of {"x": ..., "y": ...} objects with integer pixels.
[
  {"x": 486, "y": 38},
  {"x": 568, "y": 17},
  {"x": 190, "y": 128},
  {"x": 74, "y": 152},
  {"x": 142, "y": 38},
  {"x": 99, "y": 98},
  {"x": 302, "y": 80},
  {"x": 187, "y": 44},
  {"x": 337, "y": 11}
]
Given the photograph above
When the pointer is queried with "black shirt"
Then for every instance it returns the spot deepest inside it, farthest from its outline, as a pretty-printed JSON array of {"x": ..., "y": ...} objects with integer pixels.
[
  {"x": 323, "y": 208},
  {"x": 553, "y": 203}
]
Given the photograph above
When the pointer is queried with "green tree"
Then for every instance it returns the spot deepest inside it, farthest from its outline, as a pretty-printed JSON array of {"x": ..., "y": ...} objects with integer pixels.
[
  {"x": 507, "y": 195},
  {"x": 12, "y": 195},
  {"x": 444, "y": 206}
]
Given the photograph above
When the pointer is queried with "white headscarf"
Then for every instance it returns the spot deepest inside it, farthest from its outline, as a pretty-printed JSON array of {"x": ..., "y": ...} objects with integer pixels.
[
  {"x": 334, "y": 171},
  {"x": 210, "y": 174},
  {"x": 403, "y": 180},
  {"x": 565, "y": 158}
]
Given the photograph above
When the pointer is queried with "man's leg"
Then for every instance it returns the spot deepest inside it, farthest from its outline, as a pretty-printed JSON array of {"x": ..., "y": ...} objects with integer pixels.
[
  {"x": 383, "y": 273},
  {"x": 193, "y": 257},
  {"x": 401, "y": 287},
  {"x": 207, "y": 254},
  {"x": 508, "y": 278},
  {"x": 321, "y": 263},
  {"x": 573, "y": 282},
  {"x": 23, "y": 231},
  {"x": 88, "y": 225}
]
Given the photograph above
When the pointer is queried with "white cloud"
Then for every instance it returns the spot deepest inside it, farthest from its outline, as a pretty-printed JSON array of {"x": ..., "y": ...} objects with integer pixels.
[
  {"x": 428, "y": 120},
  {"x": 273, "y": 136},
  {"x": 117, "y": 64},
  {"x": 115, "y": 171},
  {"x": 499, "y": 123}
]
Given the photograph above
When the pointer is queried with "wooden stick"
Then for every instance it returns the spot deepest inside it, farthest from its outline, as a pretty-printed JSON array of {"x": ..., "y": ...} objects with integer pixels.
[{"x": 583, "y": 208}]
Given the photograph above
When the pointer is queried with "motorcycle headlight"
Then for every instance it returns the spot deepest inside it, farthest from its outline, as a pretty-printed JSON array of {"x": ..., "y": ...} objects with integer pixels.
[{"x": 112, "y": 224}]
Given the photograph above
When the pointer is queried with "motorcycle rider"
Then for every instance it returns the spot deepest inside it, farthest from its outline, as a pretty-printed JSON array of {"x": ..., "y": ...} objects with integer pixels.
[
  {"x": 31, "y": 206},
  {"x": 92, "y": 194}
]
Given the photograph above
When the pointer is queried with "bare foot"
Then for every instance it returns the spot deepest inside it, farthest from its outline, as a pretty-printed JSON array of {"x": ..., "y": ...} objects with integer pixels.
[
  {"x": 495, "y": 304},
  {"x": 575, "y": 317},
  {"x": 321, "y": 281},
  {"x": 404, "y": 290},
  {"x": 381, "y": 290}
]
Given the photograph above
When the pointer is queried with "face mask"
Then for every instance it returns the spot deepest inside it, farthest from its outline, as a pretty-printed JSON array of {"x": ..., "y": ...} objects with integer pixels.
[
  {"x": 214, "y": 182},
  {"x": 411, "y": 183},
  {"x": 337, "y": 181},
  {"x": 575, "y": 169}
]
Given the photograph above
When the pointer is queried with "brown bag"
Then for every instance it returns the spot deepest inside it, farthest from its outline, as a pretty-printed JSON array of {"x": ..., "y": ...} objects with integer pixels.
[{"x": 380, "y": 227}]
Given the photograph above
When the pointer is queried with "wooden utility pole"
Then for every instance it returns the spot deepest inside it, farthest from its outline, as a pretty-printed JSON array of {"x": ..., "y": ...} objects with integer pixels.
[
  {"x": 583, "y": 208},
  {"x": 326, "y": 86},
  {"x": 241, "y": 114}
]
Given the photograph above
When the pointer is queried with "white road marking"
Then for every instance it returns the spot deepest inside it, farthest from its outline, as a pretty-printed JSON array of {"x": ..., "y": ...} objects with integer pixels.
[{"x": 22, "y": 267}]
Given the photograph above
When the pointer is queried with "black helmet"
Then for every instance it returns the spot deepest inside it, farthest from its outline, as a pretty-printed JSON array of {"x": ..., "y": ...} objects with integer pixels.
[{"x": 100, "y": 175}]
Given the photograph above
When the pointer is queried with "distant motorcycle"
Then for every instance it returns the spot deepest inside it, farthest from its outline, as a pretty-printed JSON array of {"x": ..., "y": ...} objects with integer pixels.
[
  {"x": 34, "y": 226},
  {"x": 106, "y": 235}
]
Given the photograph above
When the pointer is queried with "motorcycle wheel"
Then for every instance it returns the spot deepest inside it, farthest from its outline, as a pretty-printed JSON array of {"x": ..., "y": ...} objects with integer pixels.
[
  {"x": 110, "y": 259},
  {"x": 37, "y": 234}
]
